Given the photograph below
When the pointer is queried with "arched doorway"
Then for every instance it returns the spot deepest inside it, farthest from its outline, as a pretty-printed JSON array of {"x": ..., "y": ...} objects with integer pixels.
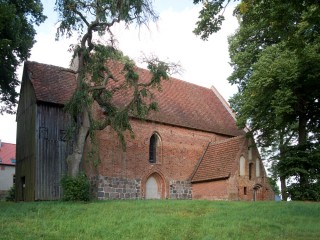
[
  {"x": 154, "y": 187},
  {"x": 257, "y": 192}
]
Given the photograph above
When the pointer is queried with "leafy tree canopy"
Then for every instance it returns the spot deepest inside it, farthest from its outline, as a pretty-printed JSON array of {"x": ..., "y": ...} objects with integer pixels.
[
  {"x": 95, "y": 81},
  {"x": 17, "y": 18},
  {"x": 275, "y": 59}
]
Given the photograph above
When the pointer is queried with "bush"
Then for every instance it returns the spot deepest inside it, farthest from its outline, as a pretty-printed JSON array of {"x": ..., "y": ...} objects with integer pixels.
[
  {"x": 75, "y": 188},
  {"x": 306, "y": 192},
  {"x": 11, "y": 194}
]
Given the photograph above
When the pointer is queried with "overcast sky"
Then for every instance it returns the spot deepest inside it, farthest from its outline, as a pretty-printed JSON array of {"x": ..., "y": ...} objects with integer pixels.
[{"x": 205, "y": 63}]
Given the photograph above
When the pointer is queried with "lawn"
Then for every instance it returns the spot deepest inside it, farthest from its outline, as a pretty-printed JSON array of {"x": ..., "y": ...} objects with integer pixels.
[{"x": 167, "y": 219}]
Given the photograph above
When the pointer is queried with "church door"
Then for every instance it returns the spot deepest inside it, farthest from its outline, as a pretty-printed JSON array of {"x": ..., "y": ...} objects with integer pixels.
[{"x": 152, "y": 189}]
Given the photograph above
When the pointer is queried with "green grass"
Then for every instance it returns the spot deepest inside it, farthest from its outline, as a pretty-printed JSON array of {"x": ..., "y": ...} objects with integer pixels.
[{"x": 168, "y": 219}]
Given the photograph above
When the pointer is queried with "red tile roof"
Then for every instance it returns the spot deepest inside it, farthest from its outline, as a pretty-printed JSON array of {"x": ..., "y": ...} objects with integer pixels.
[
  {"x": 51, "y": 83},
  {"x": 218, "y": 159},
  {"x": 7, "y": 153},
  {"x": 180, "y": 103}
]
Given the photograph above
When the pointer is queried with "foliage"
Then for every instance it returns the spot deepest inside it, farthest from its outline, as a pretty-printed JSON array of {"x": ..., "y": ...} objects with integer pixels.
[
  {"x": 210, "y": 17},
  {"x": 305, "y": 192},
  {"x": 275, "y": 59},
  {"x": 75, "y": 188},
  {"x": 274, "y": 186},
  {"x": 17, "y": 18},
  {"x": 167, "y": 219},
  {"x": 11, "y": 197},
  {"x": 96, "y": 82}
]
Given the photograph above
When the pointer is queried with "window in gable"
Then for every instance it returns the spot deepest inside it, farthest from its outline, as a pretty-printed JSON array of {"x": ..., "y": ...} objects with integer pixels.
[
  {"x": 242, "y": 166},
  {"x": 257, "y": 167}
]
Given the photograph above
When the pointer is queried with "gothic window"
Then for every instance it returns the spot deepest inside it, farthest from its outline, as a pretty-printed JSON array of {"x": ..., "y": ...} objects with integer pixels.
[
  {"x": 242, "y": 166},
  {"x": 153, "y": 148},
  {"x": 257, "y": 167}
]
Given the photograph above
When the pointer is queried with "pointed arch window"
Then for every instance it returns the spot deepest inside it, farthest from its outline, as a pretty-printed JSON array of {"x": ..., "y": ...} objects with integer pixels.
[
  {"x": 257, "y": 167},
  {"x": 242, "y": 166},
  {"x": 153, "y": 148}
]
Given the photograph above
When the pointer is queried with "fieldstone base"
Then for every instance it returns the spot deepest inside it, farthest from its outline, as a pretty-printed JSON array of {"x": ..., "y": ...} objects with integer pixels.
[
  {"x": 117, "y": 188},
  {"x": 180, "y": 189}
]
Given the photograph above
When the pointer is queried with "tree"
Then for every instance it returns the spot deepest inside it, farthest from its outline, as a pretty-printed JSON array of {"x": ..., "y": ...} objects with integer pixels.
[
  {"x": 87, "y": 18},
  {"x": 17, "y": 18},
  {"x": 275, "y": 57}
]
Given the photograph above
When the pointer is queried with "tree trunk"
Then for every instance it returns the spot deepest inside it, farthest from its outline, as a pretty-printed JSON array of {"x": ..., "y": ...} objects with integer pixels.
[
  {"x": 283, "y": 185},
  {"x": 283, "y": 188},
  {"x": 302, "y": 141},
  {"x": 74, "y": 159}
]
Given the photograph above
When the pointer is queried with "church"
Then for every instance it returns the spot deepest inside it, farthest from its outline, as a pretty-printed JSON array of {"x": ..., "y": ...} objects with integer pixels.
[{"x": 190, "y": 149}]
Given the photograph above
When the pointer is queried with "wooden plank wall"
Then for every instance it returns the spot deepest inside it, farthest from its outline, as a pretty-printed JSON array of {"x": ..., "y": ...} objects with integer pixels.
[
  {"x": 25, "y": 144},
  {"x": 52, "y": 149}
]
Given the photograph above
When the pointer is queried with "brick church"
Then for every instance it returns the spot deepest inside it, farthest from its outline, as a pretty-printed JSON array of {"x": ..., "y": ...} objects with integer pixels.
[{"x": 190, "y": 149}]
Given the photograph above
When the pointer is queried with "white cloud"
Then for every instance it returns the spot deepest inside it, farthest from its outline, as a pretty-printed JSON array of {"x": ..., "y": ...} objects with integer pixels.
[{"x": 204, "y": 63}]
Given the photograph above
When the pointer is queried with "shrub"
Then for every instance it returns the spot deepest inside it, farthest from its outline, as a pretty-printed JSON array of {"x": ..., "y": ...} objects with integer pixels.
[
  {"x": 75, "y": 188},
  {"x": 306, "y": 192},
  {"x": 11, "y": 194}
]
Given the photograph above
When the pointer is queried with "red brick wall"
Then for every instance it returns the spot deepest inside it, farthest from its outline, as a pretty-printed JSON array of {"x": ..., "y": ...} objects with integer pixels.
[
  {"x": 215, "y": 190},
  {"x": 180, "y": 151}
]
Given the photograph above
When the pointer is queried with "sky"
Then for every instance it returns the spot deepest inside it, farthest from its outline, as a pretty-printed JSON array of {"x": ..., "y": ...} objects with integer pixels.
[{"x": 205, "y": 63}]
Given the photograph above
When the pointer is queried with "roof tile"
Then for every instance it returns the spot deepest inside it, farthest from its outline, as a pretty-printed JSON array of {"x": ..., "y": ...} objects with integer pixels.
[
  {"x": 180, "y": 103},
  {"x": 218, "y": 159},
  {"x": 7, "y": 153}
]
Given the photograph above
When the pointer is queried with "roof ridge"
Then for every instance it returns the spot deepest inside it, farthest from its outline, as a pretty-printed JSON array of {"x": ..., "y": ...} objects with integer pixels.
[
  {"x": 50, "y": 65},
  {"x": 7, "y": 143},
  {"x": 176, "y": 79}
]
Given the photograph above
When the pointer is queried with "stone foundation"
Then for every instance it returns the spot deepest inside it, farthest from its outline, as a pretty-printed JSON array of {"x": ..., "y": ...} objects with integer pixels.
[
  {"x": 116, "y": 188},
  {"x": 180, "y": 189}
]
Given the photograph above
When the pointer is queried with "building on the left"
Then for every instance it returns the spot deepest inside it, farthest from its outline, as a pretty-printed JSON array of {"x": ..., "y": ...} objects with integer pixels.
[{"x": 7, "y": 167}]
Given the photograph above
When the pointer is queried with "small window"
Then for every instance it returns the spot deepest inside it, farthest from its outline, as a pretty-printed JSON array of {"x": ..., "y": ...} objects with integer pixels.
[
  {"x": 245, "y": 191},
  {"x": 13, "y": 160},
  {"x": 0, "y": 160}
]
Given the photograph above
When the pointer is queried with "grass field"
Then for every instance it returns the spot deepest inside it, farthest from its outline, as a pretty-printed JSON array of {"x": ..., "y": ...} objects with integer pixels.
[{"x": 166, "y": 219}]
